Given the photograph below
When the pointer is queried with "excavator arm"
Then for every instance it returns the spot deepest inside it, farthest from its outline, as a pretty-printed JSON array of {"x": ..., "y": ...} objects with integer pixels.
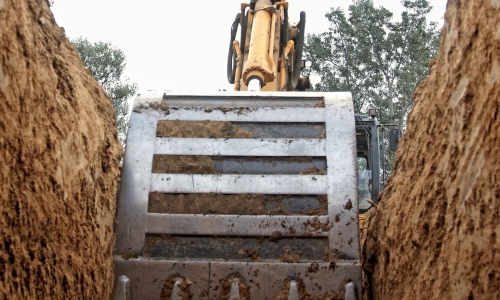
[{"x": 268, "y": 56}]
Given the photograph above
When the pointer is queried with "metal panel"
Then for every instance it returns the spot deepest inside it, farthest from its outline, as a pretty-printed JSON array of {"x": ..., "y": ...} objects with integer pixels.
[
  {"x": 288, "y": 130},
  {"x": 143, "y": 99},
  {"x": 240, "y": 147},
  {"x": 244, "y": 100},
  {"x": 122, "y": 289},
  {"x": 239, "y": 184},
  {"x": 147, "y": 277},
  {"x": 231, "y": 99},
  {"x": 135, "y": 182},
  {"x": 264, "y": 114},
  {"x": 340, "y": 225},
  {"x": 234, "y": 248},
  {"x": 275, "y": 165},
  {"x": 236, "y": 225},
  {"x": 342, "y": 175},
  {"x": 265, "y": 280}
]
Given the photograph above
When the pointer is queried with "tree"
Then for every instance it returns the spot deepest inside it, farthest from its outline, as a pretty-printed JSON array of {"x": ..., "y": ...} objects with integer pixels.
[
  {"x": 377, "y": 59},
  {"x": 106, "y": 63}
]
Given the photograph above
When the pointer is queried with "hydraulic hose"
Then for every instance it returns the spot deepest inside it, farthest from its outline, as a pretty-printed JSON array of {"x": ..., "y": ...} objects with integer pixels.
[
  {"x": 294, "y": 78},
  {"x": 230, "y": 56},
  {"x": 239, "y": 64},
  {"x": 243, "y": 38},
  {"x": 285, "y": 28}
]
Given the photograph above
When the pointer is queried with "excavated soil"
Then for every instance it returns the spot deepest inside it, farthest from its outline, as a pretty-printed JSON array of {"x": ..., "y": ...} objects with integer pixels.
[
  {"x": 59, "y": 163},
  {"x": 436, "y": 232}
]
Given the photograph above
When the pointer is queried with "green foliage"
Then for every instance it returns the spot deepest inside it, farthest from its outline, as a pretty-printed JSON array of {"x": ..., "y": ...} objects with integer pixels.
[
  {"x": 377, "y": 59},
  {"x": 106, "y": 63}
]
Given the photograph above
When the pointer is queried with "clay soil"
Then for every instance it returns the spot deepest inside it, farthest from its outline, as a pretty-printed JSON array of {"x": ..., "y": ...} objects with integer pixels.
[
  {"x": 436, "y": 232},
  {"x": 59, "y": 163}
]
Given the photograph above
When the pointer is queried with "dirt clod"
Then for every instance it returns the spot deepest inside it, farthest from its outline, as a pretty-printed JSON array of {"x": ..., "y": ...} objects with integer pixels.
[
  {"x": 316, "y": 224},
  {"x": 253, "y": 254},
  {"x": 275, "y": 236},
  {"x": 348, "y": 205},
  {"x": 290, "y": 258}
]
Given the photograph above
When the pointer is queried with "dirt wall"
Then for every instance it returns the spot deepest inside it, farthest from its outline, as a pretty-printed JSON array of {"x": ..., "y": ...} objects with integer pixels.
[
  {"x": 436, "y": 233},
  {"x": 59, "y": 159}
]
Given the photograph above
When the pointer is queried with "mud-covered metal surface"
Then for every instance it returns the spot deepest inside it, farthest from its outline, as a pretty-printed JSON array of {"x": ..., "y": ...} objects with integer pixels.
[
  {"x": 239, "y": 225},
  {"x": 225, "y": 129},
  {"x": 240, "y": 177},
  {"x": 207, "y": 279},
  {"x": 256, "y": 248},
  {"x": 200, "y": 129},
  {"x": 238, "y": 204},
  {"x": 202, "y": 164}
]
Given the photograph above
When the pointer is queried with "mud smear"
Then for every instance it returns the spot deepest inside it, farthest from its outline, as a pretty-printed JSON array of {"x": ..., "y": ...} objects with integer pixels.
[
  {"x": 435, "y": 232},
  {"x": 290, "y": 258},
  {"x": 313, "y": 171},
  {"x": 317, "y": 225},
  {"x": 253, "y": 254},
  {"x": 236, "y": 204},
  {"x": 183, "y": 164},
  {"x": 200, "y": 129},
  {"x": 59, "y": 163}
]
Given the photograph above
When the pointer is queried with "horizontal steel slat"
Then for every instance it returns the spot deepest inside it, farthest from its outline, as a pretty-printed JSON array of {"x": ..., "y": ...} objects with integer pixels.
[
  {"x": 239, "y": 184},
  {"x": 240, "y": 147},
  {"x": 263, "y": 114},
  {"x": 236, "y": 225}
]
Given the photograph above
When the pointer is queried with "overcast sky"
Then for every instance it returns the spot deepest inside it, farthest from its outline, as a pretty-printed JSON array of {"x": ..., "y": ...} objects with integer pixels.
[{"x": 182, "y": 45}]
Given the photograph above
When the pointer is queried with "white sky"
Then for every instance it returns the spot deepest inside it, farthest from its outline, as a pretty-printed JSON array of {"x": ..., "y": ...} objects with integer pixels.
[{"x": 182, "y": 45}]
